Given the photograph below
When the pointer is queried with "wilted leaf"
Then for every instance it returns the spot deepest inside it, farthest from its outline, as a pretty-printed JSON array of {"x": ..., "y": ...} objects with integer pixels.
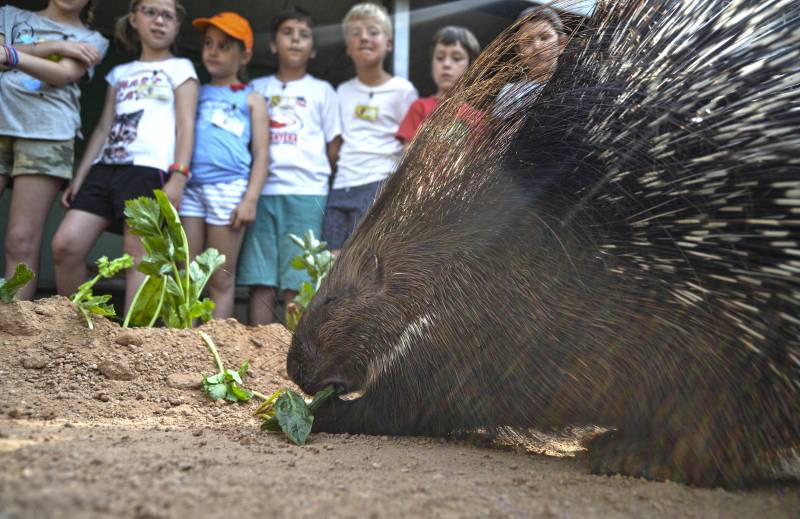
[
  {"x": 109, "y": 269},
  {"x": 9, "y": 287}
]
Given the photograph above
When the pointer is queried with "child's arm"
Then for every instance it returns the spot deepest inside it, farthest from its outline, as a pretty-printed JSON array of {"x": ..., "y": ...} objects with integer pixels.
[
  {"x": 84, "y": 53},
  {"x": 332, "y": 149},
  {"x": 185, "y": 109},
  {"x": 93, "y": 147},
  {"x": 245, "y": 212},
  {"x": 66, "y": 71}
]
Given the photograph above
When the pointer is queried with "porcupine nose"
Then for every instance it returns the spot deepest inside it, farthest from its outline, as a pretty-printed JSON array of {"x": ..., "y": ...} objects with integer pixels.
[{"x": 340, "y": 385}]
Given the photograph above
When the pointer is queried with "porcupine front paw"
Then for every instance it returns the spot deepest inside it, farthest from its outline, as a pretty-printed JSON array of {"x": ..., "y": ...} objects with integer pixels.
[{"x": 615, "y": 452}]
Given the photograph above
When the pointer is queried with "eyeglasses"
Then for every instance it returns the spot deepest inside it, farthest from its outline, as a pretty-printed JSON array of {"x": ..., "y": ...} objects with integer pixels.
[{"x": 152, "y": 13}]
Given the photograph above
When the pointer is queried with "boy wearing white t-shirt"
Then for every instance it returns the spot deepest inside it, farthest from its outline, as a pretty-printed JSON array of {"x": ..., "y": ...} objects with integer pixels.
[
  {"x": 304, "y": 140},
  {"x": 372, "y": 105}
]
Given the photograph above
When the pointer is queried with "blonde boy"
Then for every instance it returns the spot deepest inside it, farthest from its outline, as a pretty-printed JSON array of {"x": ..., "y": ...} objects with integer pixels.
[{"x": 372, "y": 104}]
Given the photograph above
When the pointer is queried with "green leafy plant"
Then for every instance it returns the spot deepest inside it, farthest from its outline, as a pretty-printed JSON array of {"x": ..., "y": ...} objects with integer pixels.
[
  {"x": 86, "y": 302},
  {"x": 287, "y": 411},
  {"x": 9, "y": 287},
  {"x": 316, "y": 260},
  {"x": 168, "y": 292},
  {"x": 227, "y": 384}
]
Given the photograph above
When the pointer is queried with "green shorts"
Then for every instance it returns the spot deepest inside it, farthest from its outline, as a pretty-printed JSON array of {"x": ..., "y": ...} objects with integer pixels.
[
  {"x": 267, "y": 250},
  {"x": 36, "y": 157}
]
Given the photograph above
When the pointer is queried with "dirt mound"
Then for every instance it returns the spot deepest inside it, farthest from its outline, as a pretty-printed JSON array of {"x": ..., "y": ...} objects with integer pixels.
[{"x": 53, "y": 367}]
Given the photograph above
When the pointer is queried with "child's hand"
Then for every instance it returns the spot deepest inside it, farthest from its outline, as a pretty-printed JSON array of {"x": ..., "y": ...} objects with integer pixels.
[
  {"x": 174, "y": 189},
  {"x": 244, "y": 214},
  {"x": 83, "y": 52},
  {"x": 69, "y": 194}
]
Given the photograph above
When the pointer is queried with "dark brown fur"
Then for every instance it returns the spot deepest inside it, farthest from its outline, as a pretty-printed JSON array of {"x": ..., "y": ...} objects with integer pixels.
[{"x": 617, "y": 252}]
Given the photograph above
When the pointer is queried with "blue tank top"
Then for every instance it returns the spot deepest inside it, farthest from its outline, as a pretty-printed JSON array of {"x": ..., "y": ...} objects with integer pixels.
[{"x": 222, "y": 135}]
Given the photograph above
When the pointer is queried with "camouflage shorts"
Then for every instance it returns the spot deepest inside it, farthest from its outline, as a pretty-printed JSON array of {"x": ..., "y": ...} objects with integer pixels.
[{"x": 36, "y": 157}]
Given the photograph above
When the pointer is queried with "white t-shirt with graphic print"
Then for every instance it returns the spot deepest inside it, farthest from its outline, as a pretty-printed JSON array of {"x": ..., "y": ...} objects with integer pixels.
[
  {"x": 303, "y": 119},
  {"x": 143, "y": 132},
  {"x": 370, "y": 119}
]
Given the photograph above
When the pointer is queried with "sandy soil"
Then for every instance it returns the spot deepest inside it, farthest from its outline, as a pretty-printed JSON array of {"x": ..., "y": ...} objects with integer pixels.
[{"x": 111, "y": 423}]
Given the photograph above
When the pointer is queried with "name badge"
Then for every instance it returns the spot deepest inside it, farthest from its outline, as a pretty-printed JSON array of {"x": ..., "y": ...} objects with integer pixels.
[
  {"x": 366, "y": 112},
  {"x": 229, "y": 124}
]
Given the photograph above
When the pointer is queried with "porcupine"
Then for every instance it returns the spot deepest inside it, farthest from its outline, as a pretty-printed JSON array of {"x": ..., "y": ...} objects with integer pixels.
[{"x": 622, "y": 250}]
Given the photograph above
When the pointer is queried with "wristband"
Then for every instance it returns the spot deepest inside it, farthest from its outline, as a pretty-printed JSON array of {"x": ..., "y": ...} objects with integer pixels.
[
  {"x": 12, "y": 56},
  {"x": 183, "y": 169}
]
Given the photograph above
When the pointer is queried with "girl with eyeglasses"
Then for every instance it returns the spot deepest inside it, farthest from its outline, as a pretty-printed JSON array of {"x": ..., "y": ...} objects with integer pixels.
[
  {"x": 43, "y": 55},
  {"x": 143, "y": 141}
]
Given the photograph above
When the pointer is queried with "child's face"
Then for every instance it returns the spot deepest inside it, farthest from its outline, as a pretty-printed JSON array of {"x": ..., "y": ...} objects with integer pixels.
[
  {"x": 69, "y": 6},
  {"x": 449, "y": 63},
  {"x": 539, "y": 45},
  {"x": 222, "y": 55},
  {"x": 366, "y": 43},
  {"x": 294, "y": 44},
  {"x": 156, "y": 22}
]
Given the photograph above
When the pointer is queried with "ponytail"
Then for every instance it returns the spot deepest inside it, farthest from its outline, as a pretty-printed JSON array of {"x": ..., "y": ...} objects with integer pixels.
[{"x": 124, "y": 34}]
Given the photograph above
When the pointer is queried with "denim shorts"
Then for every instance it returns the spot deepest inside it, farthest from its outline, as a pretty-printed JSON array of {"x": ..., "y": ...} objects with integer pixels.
[
  {"x": 267, "y": 250},
  {"x": 345, "y": 209}
]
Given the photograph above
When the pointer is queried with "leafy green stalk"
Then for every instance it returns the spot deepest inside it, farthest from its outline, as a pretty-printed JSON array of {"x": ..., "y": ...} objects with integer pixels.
[
  {"x": 314, "y": 259},
  {"x": 168, "y": 292},
  {"x": 226, "y": 384},
  {"x": 86, "y": 302},
  {"x": 9, "y": 287}
]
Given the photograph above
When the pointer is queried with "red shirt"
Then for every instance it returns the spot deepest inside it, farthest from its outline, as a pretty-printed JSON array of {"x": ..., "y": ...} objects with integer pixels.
[{"x": 419, "y": 110}]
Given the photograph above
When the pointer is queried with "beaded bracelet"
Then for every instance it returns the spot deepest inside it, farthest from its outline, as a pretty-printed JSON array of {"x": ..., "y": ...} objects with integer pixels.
[
  {"x": 183, "y": 169},
  {"x": 12, "y": 56}
]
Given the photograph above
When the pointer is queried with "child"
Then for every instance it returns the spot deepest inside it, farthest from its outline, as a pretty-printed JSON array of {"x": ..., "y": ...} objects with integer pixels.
[
  {"x": 453, "y": 51},
  {"x": 219, "y": 201},
  {"x": 304, "y": 140},
  {"x": 371, "y": 105},
  {"x": 40, "y": 115},
  {"x": 147, "y": 124},
  {"x": 540, "y": 40}
]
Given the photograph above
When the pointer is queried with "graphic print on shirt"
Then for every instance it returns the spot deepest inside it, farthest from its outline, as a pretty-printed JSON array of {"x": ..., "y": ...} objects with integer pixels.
[
  {"x": 23, "y": 33},
  {"x": 123, "y": 133},
  {"x": 152, "y": 84},
  {"x": 284, "y": 123}
]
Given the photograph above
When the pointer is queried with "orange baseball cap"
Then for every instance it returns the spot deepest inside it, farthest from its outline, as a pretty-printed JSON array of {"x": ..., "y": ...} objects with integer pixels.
[{"x": 231, "y": 24}]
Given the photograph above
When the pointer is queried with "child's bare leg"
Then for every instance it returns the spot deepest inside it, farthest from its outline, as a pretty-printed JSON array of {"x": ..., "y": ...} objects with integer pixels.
[
  {"x": 195, "y": 229},
  {"x": 288, "y": 297},
  {"x": 31, "y": 200},
  {"x": 222, "y": 285},
  {"x": 133, "y": 278},
  {"x": 261, "y": 309},
  {"x": 72, "y": 242}
]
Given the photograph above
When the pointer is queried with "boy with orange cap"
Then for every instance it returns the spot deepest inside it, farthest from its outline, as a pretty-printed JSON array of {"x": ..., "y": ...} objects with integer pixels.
[{"x": 229, "y": 164}]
